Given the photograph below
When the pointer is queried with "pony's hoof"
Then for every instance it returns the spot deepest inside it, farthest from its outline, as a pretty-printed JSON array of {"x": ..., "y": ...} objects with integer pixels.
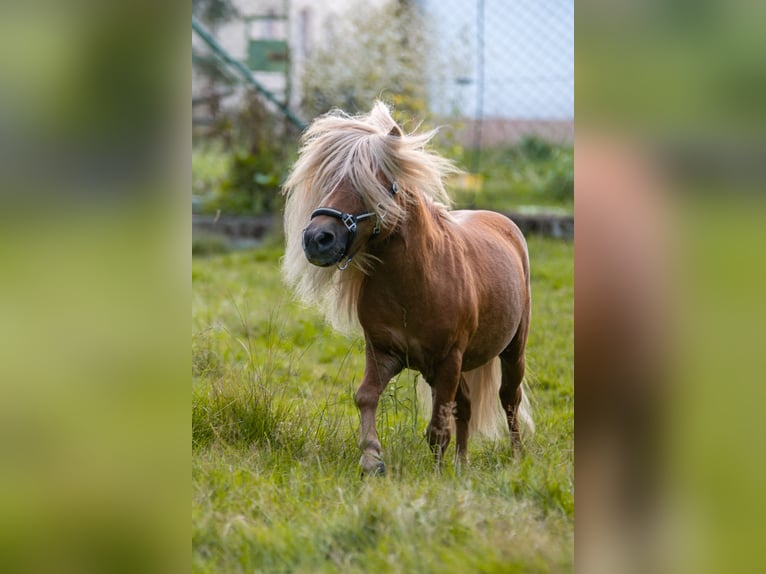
[{"x": 377, "y": 469}]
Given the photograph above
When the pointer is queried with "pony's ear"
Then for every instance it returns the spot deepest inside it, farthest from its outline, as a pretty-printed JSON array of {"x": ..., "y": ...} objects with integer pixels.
[{"x": 396, "y": 131}]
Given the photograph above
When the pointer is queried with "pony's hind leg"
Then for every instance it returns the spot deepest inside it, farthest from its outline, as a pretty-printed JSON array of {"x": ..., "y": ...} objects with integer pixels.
[
  {"x": 513, "y": 365},
  {"x": 462, "y": 419},
  {"x": 379, "y": 369}
]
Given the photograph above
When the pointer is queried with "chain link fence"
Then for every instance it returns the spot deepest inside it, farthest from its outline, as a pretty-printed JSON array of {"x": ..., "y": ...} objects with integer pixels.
[{"x": 508, "y": 68}]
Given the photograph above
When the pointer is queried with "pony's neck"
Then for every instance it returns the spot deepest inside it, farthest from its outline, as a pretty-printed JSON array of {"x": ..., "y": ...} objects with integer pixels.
[{"x": 415, "y": 238}]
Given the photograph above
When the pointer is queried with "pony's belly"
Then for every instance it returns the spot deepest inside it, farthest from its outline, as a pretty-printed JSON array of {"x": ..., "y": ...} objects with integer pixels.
[
  {"x": 479, "y": 352},
  {"x": 425, "y": 354},
  {"x": 425, "y": 338}
]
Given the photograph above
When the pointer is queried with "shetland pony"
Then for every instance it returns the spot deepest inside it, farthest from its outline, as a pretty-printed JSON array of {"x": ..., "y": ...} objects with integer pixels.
[{"x": 370, "y": 238}]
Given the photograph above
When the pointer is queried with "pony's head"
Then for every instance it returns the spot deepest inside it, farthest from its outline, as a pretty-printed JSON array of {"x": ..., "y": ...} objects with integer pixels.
[{"x": 354, "y": 182}]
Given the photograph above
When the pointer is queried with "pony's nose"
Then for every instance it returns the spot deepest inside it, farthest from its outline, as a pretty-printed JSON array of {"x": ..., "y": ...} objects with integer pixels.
[
  {"x": 321, "y": 246},
  {"x": 324, "y": 239},
  {"x": 318, "y": 240}
]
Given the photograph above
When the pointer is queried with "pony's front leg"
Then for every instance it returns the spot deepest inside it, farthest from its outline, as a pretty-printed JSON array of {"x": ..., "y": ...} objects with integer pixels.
[
  {"x": 379, "y": 369},
  {"x": 443, "y": 388}
]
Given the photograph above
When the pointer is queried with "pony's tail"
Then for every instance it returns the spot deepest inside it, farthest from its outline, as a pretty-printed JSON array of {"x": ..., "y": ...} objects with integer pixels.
[
  {"x": 487, "y": 415},
  {"x": 525, "y": 410}
]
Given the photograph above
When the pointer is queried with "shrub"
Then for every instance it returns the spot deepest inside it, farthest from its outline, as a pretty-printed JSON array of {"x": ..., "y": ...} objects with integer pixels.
[
  {"x": 535, "y": 149},
  {"x": 394, "y": 41},
  {"x": 260, "y": 149},
  {"x": 560, "y": 183}
]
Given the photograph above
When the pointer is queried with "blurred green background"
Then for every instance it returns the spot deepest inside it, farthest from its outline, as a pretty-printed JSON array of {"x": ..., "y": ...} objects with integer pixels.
[{"x": 675, "y": 90}]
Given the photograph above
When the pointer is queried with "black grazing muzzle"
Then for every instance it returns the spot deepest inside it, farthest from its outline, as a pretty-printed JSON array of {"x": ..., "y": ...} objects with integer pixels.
[{"x": 350, "y": 221}]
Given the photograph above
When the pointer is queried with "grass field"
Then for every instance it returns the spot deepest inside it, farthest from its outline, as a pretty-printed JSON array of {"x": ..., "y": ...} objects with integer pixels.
[{"x": 275, "y": 478}]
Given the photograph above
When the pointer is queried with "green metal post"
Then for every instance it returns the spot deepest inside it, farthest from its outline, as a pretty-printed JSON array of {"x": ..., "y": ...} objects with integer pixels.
[{"x": 244, "y": 72}]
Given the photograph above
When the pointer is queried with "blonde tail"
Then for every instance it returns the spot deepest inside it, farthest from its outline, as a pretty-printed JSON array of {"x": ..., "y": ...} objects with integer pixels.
[
  {"x": 487, "y": 416},
  {"x": 525, "y": 410}
]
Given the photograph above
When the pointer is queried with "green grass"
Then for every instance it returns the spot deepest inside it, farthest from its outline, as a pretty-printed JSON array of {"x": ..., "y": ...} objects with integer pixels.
[
  {"x": 531, "y": 175},
  {"x": 275, "y": 477}
]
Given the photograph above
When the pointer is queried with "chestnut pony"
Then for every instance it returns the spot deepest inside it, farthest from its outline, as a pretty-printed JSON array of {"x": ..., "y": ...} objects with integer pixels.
[{"x": 370, "y": 238}]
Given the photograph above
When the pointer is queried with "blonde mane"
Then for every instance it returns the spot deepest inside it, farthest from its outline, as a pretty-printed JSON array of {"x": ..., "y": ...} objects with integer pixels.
[{"x": 356, "y": 149}]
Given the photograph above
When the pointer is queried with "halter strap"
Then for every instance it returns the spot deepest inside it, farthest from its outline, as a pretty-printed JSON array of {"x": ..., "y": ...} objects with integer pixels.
[{"x": 350, "y": 221}]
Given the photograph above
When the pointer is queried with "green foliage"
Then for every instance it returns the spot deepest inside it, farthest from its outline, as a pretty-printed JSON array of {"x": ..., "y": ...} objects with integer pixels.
[
  {"x": 532, "y": 173},
  {"x": 252, "y": 185},
  {"x": 561, "y": 182},
  {"x": 275, "y": 477},
  {"x": 393, "y": 40},
  {"x": 210, "y": 164},
  {"x": 535, "y": 149},
  {"x": 258, "y": 150}
]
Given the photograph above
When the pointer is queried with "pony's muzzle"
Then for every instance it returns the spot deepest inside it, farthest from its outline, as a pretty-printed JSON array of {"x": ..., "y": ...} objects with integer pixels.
[{"x": 322, "y": 245}]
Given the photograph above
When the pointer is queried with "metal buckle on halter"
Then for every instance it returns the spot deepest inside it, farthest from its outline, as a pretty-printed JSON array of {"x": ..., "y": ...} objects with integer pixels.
[{"x": 349, "y": 221}]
